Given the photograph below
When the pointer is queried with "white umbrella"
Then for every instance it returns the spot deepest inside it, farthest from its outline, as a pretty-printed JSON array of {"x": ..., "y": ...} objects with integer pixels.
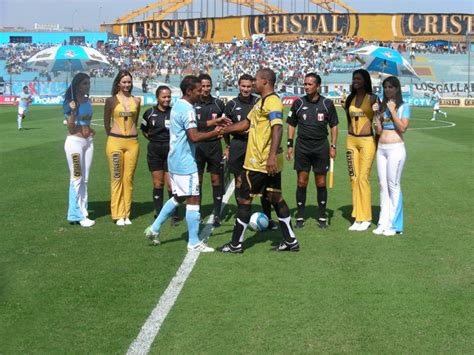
[{"x": 67, "y": 58}]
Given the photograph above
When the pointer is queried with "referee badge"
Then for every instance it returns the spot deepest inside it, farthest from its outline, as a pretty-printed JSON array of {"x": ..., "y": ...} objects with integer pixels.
[{"x": 320, "y": 117}]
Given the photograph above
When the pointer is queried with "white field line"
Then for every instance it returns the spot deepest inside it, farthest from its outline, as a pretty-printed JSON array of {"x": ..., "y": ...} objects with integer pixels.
[{"x": 152, "y": 326}]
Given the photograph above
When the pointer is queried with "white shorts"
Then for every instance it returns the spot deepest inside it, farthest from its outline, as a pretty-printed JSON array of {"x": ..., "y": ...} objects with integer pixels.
[
  {"x": 185, "y": 185},
  {"x": 22, "y": 111},
  {"x": 436, "y": 107}
]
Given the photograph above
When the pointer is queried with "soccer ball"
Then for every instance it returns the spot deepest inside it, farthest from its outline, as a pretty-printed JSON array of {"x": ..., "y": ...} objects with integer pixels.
[{"x": 258, "y": 222}]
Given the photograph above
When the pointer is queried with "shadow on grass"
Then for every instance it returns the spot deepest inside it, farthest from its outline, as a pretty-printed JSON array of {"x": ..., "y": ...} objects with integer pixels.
[{"x": 347, "y": 213}]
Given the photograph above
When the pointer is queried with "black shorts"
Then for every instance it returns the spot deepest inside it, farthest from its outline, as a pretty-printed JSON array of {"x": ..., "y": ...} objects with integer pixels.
[
  {"x": 237, "y": 156},
  {"x": 157, "y": 156},
  {"x": 312, "y": 154},
  {"x": 209, "y": 153},
  {"x": 256, "y": 183}
]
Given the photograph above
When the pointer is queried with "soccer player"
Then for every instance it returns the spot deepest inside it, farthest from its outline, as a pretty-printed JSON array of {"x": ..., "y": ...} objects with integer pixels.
[
  {"x": 435, "y": 99},
  {"x": 182, "y": 164},
  {"x": 312, "y": 114},
  {"x": 120, "y": 121},
  {"x": 392, "y": 119},
  {"x": 263, "y": 164},
  {"x": 79, "y": 147},
  {"x": 360, "y": 147},
  {"x": 155, "y": 127},
  {"x": 209, "y": 152},
  {"x": 25, "y": 101},
  {"x": 237, "y": 110}
]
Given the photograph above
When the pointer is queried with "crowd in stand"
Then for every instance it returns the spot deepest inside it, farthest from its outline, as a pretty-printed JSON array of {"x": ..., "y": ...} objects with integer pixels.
[{"x": 290, "y": 60}]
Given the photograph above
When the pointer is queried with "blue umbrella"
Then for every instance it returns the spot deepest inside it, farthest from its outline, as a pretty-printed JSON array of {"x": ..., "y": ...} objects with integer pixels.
[
  {"x": 67, "y": 58},
  {"x": 383, "y": 60}
]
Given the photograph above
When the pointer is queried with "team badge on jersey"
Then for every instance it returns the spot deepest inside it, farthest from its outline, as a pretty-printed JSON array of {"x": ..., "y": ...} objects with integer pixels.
[
  {"x": 320, "y": 117},
  {"x": 239, "y": 117}
]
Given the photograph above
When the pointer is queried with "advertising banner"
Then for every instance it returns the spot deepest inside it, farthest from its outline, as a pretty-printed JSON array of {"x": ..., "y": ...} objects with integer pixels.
[
  {"x": 8, "y": 100},
  {"x": 275, "y": 27}
]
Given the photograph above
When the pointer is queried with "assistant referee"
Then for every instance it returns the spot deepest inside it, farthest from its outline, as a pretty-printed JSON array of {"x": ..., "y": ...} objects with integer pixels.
[
  {"x": 155, "y": 127},
  {"x": 312, "y": 114},
  {"x": 209, "y": 152}
]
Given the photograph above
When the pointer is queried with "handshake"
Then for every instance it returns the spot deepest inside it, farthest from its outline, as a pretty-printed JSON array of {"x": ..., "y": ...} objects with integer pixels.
[{"x": 221, "y": 124}]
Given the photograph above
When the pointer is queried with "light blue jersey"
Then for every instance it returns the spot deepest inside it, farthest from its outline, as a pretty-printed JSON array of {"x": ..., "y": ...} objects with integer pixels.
[
  {"x": 24, "y": 100},
  {"x": 403, "y": 111},
  {"x": 435, "y": 98},
  {"x": 181, "y": 158}
]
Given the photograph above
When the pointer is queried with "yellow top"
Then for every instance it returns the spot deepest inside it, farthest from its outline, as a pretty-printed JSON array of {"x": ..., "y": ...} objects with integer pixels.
[
  {"x": 360, "y": 115},
  {"x": 264, "y": 115},
  {"x": 125, "y": 116}
]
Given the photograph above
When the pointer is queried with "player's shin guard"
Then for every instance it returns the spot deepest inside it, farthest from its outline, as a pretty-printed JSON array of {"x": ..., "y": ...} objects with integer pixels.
[
  {"x": 283, "y": 213},
  {"x": 266, "y": 206},
  {"x": 300, "y": 201},
  {"x": 241, "y": 222},
  {"x": 158, "y": 200},
  {"x": 193, "y": 217},
  {"x": 165, "y": 213},
  {"x": 322, "y": 201},
  {"x": 217, "y": 196}
]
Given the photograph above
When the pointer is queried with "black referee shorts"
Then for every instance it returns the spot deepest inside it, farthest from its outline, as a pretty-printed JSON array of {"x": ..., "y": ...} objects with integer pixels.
[
  {"x": 157, "y": 156},
  {"x": 237, "y": 151},
  {"x": 255, "y": 183},
  {"x": 210, "y": 154},
  {"x": 312, "y": 154}
]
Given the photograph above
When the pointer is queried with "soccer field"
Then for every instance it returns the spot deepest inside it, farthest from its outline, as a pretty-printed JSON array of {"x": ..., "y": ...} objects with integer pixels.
[{"x": 67, "y": 289}]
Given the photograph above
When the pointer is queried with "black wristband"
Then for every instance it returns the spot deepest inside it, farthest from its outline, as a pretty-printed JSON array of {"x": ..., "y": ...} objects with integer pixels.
[
  {"x": 290, "y": 143},
  {"x": 333, "y": 146}
]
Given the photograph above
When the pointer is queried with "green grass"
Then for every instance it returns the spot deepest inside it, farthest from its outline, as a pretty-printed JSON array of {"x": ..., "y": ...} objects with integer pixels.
[{"x": 65, "y": 289}]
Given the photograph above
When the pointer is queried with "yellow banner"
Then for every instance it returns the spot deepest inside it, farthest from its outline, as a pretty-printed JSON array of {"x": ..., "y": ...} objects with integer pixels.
[{"x": 384, "y": 27}]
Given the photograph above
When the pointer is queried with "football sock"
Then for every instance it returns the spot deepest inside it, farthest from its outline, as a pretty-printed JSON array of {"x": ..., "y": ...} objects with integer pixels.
[
  {"x": 165, "y": 213},
  {"x": 193, "y": 217},
  {"x": 300, "y": 201},
  {"x": 217, "y": 196},
  {"x": 158, "y": 199},
  {"x": 19, "y": 121},
  {"x": 266, "y": 206},
  {"x": 241, "y": 222},
  {"x": 283, "y": 213},
  {"x": 322, "y": 200}
]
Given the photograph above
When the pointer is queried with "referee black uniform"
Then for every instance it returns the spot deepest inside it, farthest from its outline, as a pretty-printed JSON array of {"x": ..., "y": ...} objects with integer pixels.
[
  {"x": 312, "y": 147},
  {"x": 155, "y": 125},
  {"x": 237, "y": 109},
  {"x": 209, "y": 152}
]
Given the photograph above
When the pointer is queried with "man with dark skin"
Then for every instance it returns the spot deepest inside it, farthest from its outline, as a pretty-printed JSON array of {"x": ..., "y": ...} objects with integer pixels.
[{"x": 263, "y": 164}]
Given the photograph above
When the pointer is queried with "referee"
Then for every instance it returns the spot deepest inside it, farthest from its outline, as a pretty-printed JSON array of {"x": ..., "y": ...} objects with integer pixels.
[
  {"x": 312, "y": 114},
  {"x": 209, "y": 152},
  {"x": 155, "y": 127},
  {"x": 237, "y": 110}
]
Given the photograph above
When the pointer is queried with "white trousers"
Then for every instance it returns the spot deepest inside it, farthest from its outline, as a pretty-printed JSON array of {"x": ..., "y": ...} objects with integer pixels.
[
  {"x": 390, "y": 162},
  {"x": 79, "y": 152}
]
